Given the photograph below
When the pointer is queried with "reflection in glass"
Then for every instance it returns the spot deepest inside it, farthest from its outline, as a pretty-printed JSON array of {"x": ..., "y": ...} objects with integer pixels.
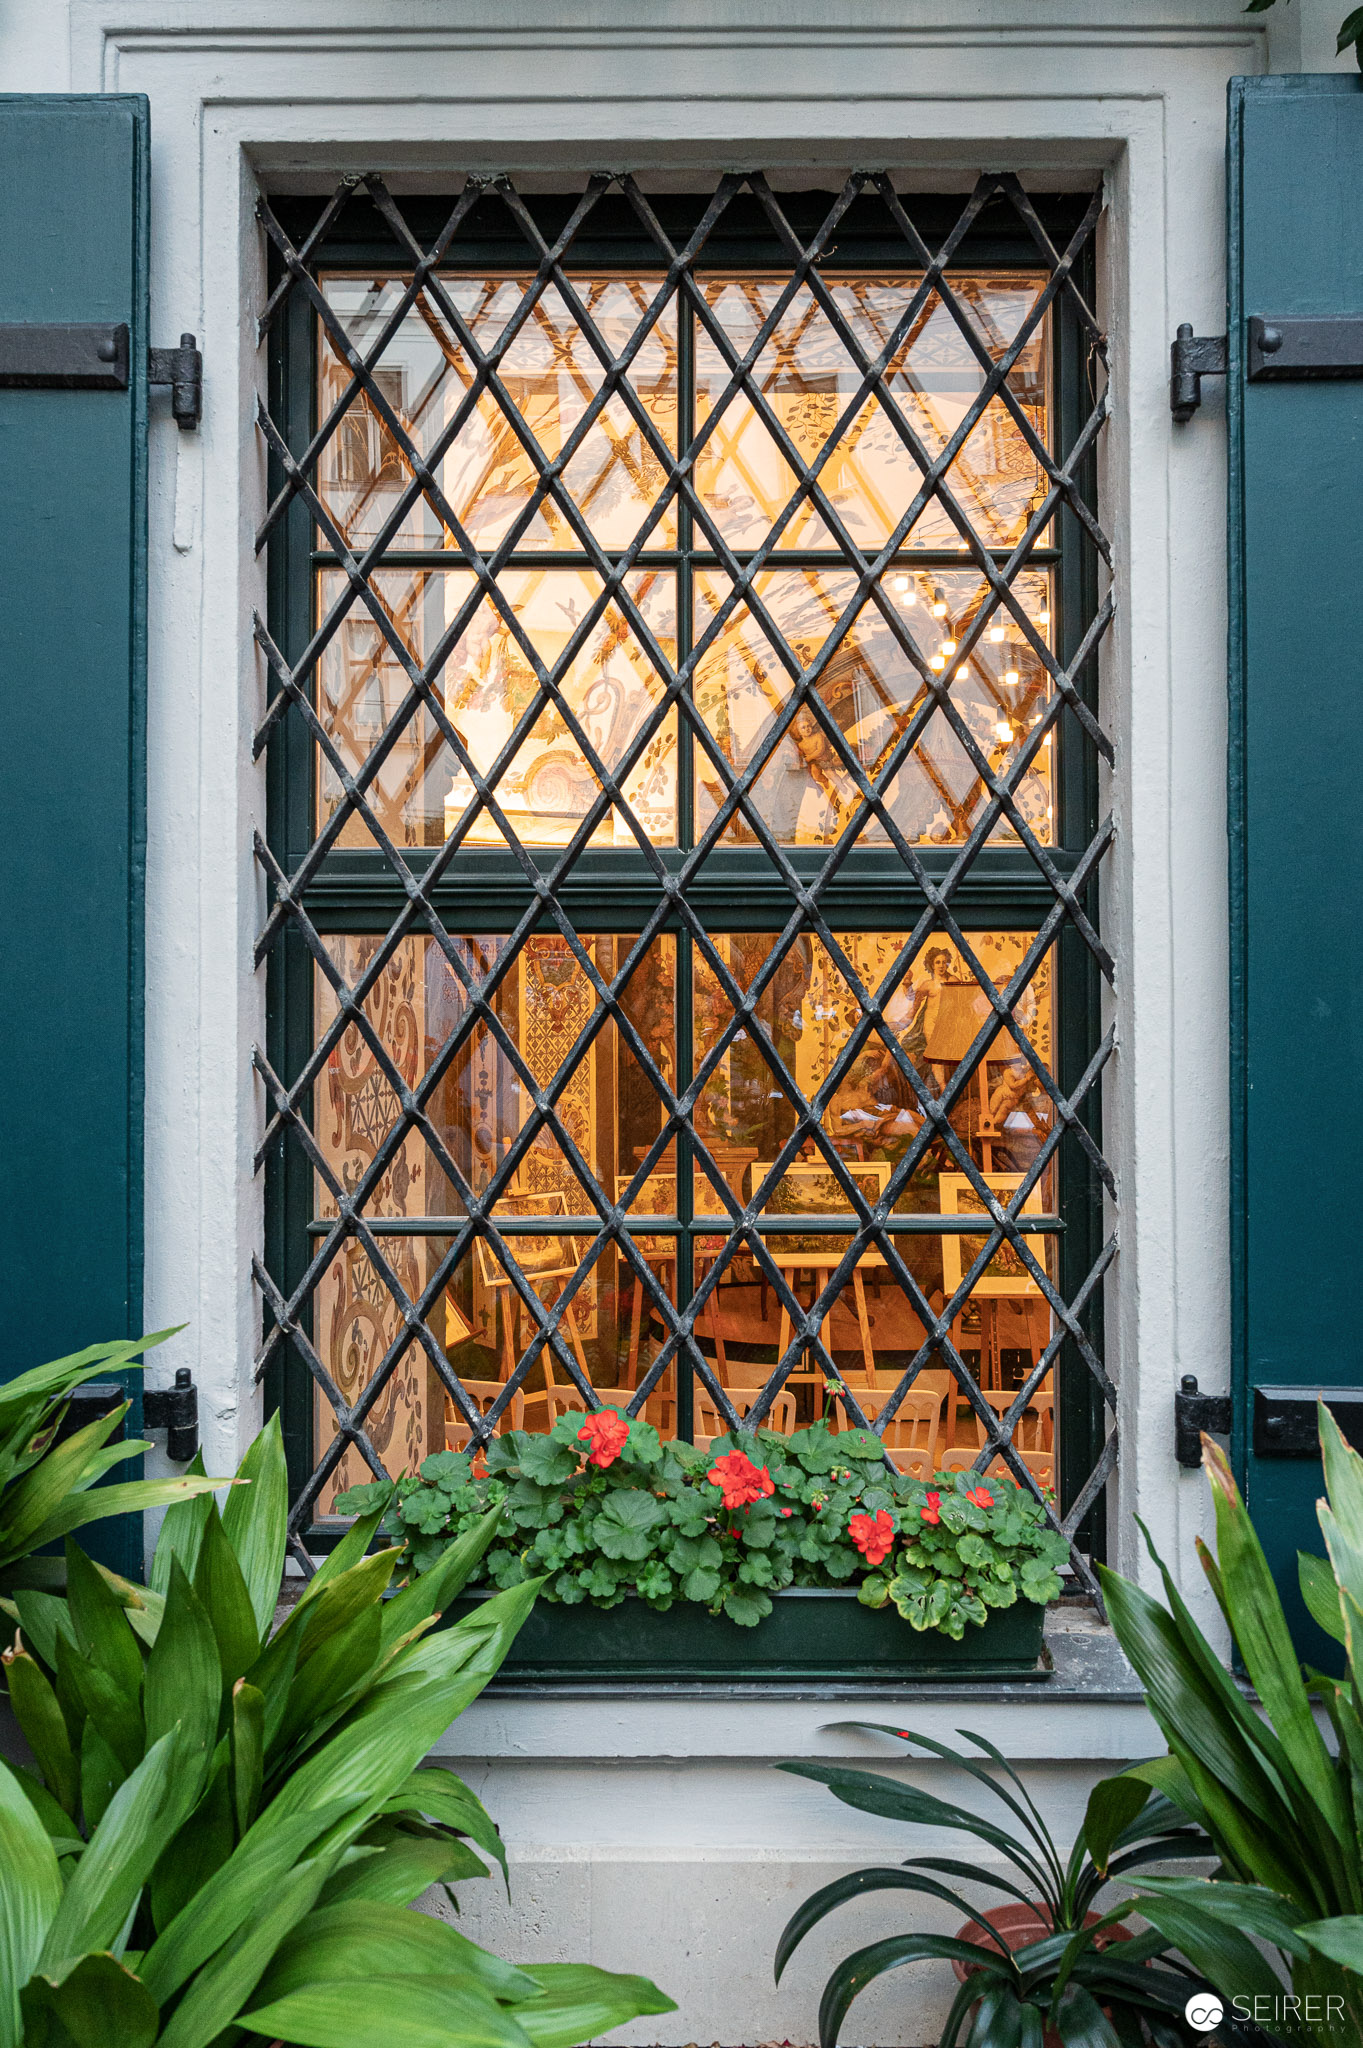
[
  {"x": 488, "y": 472},
  {"x": 871, "y": 692},
  {"x": 809, "y": 381}
]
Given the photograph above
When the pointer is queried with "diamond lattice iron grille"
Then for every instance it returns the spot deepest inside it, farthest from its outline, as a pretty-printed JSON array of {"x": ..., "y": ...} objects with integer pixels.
[{"x": 684, "y": 763}]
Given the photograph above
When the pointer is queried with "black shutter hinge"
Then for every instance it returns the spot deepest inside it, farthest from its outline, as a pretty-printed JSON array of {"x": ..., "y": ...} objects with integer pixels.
[
  {"x": 94, "y": 357},
  {"x": 183, "y": 369},
  {"x": 176, "y": 1411},
  {"x": 1194, "y": 1412},
  {"x": 1191, "y": 358}
]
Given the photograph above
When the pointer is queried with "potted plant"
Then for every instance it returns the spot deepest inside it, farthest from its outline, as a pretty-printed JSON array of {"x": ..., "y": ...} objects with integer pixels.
[
  {"x": 228, "y": 1819},
  {"x": 766, "y": 1555},
  {"x": 1048, "y": 1966}
]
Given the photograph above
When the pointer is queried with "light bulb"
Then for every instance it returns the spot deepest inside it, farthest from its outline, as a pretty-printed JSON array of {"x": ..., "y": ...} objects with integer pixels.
[
  {"x": 938, "y": 663},
  {"x": 1050, "y": 810},
  {"x": 901, "y": 584},
  {"x": 939, "y": 609},
  {"x": 948, "y": 647},
  {"x": 1010, "y": 676},
  {"x": 961, "y": 675},
  {"x": 997, "y": 632},
  {"x": 1003, "y": 730},
  {"x": 1043, "y": 617}
]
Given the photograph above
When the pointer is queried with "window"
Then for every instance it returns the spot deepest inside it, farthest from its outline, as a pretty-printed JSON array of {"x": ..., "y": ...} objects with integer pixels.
[{"x": 683, "y": 838}]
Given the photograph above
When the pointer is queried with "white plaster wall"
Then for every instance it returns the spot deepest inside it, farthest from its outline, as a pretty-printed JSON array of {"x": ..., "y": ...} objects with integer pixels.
[{"x": 651, "y": 1833}]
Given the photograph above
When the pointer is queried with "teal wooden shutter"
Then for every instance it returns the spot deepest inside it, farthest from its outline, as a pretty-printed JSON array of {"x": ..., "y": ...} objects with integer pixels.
[
  {"x": 73, "y": 248},
  {"x": 1296, "y": 705}
]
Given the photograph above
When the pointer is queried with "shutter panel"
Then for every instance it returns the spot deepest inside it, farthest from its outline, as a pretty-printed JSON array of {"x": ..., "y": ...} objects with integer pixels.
[
  {"x": 1296, "y": 714},
  {"x": 73, "y": 248}
]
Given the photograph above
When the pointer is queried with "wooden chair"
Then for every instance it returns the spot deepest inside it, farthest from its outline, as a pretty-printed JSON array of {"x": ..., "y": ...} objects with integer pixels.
[
  {"x": 1041, "y": 1465},
  {"x": 911, "y": 1435},
  {"x": 1035, "y": 1427},
  {"x": 709, "y": 1423},
  {"x": 540, "y": 1259},
  {"x": 483, "y": 1393}
]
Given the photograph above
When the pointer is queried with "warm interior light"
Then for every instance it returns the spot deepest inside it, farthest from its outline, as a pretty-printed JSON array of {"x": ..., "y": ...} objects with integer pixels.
[
  {"x": 1010, "y": 676},
  {"x": 901, "y": 584},
  {"x": 1043, "y": 617},
  {"x": 1003, "y": 730},
  {"x": 997, "y": 632},
  {"x": 948, "y": 647},
  {"x": 938, "y": 662},
  {"x": 939, "y": 609}
]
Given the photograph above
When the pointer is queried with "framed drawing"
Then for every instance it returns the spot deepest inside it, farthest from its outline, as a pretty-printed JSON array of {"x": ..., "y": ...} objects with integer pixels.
[{"x": 1005, "y": 1274}]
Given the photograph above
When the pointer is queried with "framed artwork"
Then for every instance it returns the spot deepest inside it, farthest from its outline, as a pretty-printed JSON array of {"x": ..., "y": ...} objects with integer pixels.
[{"x": 1005, "y": 1274}]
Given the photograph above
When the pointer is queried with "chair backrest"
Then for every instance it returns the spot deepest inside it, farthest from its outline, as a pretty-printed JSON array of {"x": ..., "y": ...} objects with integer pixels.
[
  {"x": 709, "y": 1423},
  {"x": 483, "y": 1393},
  {"x": 1041, "y": 1465},
  {"x": 914, "y": 1426}
]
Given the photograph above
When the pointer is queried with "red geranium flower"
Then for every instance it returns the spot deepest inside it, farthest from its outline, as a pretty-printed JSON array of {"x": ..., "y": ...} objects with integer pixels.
[
  {"x": 980, "y": 1497},
  {"x": 607, "y": 1433},
  {"x": 739, "y": 1480},
  {"x": 872, "y": 1534},
  {"x": 931, "y": 1510}
]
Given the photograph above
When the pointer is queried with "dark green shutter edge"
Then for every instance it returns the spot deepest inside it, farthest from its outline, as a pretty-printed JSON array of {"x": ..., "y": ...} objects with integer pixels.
[
  {"x": 1294, "y": 202},
  {"x": 73, "y": 653}
]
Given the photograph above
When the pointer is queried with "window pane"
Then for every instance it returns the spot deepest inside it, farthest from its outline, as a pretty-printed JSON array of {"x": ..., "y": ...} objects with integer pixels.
[
  {"x": 490, "y": 453},
  {"x": 486, "y": 686},
  {"x": 808, "y": 374},
  {"x": 806, "y": 794}
]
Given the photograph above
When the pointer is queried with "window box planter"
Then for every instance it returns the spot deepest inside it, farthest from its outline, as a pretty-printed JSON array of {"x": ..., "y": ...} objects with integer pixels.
[{"x": 813, "y": 1634}]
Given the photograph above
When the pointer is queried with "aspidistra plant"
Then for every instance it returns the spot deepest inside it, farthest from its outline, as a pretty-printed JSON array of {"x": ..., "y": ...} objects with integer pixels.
[{"x": 1283, "y": 1809}]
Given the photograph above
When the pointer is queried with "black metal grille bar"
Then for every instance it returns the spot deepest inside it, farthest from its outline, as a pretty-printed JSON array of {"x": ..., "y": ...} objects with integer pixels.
[{"x": 293, "y": 730}]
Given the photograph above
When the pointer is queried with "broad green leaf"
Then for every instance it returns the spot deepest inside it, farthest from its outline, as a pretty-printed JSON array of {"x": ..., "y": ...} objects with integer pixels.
[
  {"x": 1226, "y": 1957},
  {"x": 432, "y": 1592},
  {"x": 224, "y": 1984},
  {"x": 252, "y": 1873},
  {"x": 118, "y": 1718},
  {"x": 141, "y": 1817},
  {"x": 351, "y": 1593},
  {"x": 181, "y": 1534},
  {"x": 201, "y": 1846},
  {"x": 855, "y": 1885},
  {"x": 872, "y": 1792},
  {"x": 1249, "y": 1907},
  {"x": 578, "y": 2002},
  {"x": 99, "y": 2004},
  {"x": 1166, "y": 1775},
  {"x": 248, "y": 1751},
  {"x": 348, "y": 1552},
  {"x": 26, "y": 1508},
  {"x": 440, "y": 1795},
  {"x": 183, "y": 1686},
  {"x": 62, "y": 1375},
  {"x": 142, "y": 1607},
  {"x": 402, "y": 2012},
  {"x": 1343, "y": 1478},
  {"x": 1260, "y": 1629},
  {"x": 399, "y": 1870},
  {"x": 101, "y": 1774},
  {"x": 222, "y": 1590},
  {"x": 256, "y": 1521},
  {"x": 42, "y": 1617},
  {"x": 1321, "y": 1594},
  {"x": 362, "y": 1938},
  {"x": 1340, "y": 1939},
  {"x": 102, "y": 1632},
  {"x": 56, "y": 1823},
  {"x": 342, "y": 1664},
  {"x": 1080, "y": 2021},
  {"x": 852, "y": 1975},
  {"x": 30, "y": 1895},
  {"x": 133, "y": 1497},
  {"x": 39, "y": 1716}
]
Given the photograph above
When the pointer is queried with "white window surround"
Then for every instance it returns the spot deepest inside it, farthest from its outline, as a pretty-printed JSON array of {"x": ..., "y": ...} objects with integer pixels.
[{"x": 289, "y": 93}]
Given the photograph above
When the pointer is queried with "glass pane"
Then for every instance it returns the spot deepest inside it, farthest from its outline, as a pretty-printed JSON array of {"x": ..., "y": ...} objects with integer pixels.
[
  {"x": 938, "y": 1023},
  {"x": 808, "y": 378},
  {"x": 488, "y": 690},
  {"x": 805, "y": 793},
  {"x": 489, "y": 454}
]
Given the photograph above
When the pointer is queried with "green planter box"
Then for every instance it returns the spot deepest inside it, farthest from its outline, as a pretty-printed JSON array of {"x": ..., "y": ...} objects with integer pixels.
[{"x": 811, "y": 1634}]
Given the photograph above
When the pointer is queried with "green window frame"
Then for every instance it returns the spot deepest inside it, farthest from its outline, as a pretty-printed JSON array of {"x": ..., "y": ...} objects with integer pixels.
[{"x": 362, "y": 231}]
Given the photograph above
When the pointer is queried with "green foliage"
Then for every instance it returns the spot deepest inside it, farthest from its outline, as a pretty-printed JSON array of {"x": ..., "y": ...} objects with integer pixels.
[
  {"x": 45, "y": 1486},
  {"x": 651, "y": 1523},
  {"x": 1078, "y": 1967},
  {"x": 1350, "y": 34},
  {"x": 229, "y": 1820},
  {"x": 1283, "y": 1808}
]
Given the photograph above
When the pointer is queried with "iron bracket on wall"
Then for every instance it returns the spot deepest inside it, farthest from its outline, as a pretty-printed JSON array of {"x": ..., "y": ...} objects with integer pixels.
[
  {"x": 1191, "y": 358},
  {"x": 93, "y": 356},
  {"x": 176, "y": 1411},
  {"x": 1286, "y": 1424},
  {"x": 1193, "y": 1413}
]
